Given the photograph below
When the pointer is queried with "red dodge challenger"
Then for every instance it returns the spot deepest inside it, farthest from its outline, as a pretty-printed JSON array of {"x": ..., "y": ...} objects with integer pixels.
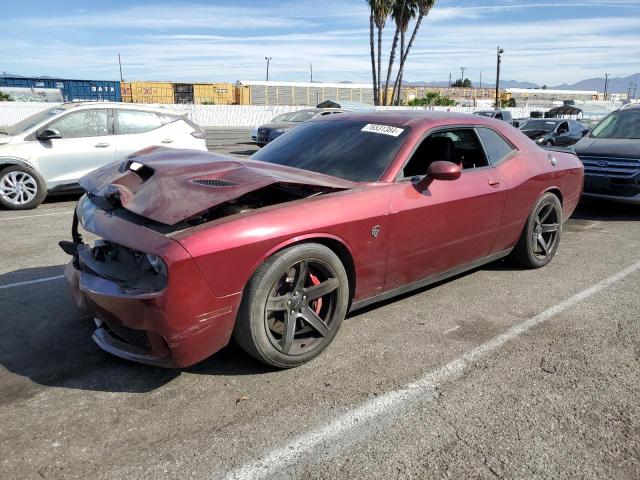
[{"x": 339, "y": 213}]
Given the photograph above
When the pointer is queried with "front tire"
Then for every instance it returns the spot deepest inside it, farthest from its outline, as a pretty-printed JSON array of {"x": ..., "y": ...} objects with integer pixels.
[
  {"x": 541, "y": 235},
  {"x": 21, "y": 188},
  {"x": 293, "y": 306}
]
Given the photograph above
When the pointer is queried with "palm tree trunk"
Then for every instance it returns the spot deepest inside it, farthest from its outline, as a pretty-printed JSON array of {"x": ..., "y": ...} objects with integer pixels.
[
  {"x": 373, "y": 60},
  {"x": 405, "y": 54},
  {"x": 396, "y": 84},
  {"x": 392, "y": 57},
  {"x": 379, "y": 65}
]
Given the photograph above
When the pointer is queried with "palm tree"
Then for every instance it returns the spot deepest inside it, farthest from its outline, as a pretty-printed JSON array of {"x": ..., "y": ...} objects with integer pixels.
[
  {"x": 373, "y": 54},
  {"x": 424, "y": 7},
  {"x": 380, "y": 10},
  {"x": 402, "y": 13}
]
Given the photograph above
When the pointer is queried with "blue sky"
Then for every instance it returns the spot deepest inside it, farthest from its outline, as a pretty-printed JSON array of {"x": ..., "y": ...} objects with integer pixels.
[{"x": 546, "y": 41}]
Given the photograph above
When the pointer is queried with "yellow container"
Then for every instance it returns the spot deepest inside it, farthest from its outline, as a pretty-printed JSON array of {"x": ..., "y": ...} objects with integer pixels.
[
  {"x": 243, "y": 95},
  {"x": 214, "y": 93},
  {"x": 147, "y": 92},
  {"x": 125, "y": 92}
]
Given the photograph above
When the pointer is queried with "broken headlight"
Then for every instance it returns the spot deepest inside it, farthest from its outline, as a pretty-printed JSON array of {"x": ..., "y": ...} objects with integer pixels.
[{"x": 157, "y": 265}]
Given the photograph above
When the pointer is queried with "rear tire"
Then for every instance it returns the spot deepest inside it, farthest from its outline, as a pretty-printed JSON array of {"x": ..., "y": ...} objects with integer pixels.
[
  {"x": 21, "y": 188},
  {"x": 293, "y": 306},
  {"x": 541, "y": 235}
]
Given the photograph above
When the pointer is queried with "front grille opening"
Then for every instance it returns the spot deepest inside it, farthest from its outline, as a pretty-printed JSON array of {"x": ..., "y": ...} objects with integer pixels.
[
  {"x": 214, "y": 182},
  {"x": 131, "y": 336}
]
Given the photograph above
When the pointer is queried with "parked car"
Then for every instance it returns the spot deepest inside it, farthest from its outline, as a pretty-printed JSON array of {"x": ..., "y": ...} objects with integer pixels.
[
  {"x": 611, "y": 157},
  {"x": 504, "y": 115},
  {"x": 554, "y": 131},
  {"x": 48, "y": 152},
  {"x": 283, "y": 123},
  {"x": 342, "y": 212}
]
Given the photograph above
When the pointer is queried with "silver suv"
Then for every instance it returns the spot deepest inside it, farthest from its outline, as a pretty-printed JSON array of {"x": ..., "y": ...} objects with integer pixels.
[{"x": 48, "y": 152}]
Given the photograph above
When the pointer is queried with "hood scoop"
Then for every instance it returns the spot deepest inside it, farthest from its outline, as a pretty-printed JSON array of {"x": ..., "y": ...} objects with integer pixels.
[
  {"x": 214, "y": 182},
  {"x": 168, "y": 185}
]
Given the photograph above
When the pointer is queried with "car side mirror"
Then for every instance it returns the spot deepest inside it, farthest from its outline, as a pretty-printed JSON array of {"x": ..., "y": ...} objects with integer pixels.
[
  {"x": 49, "y": 134},
  {"x": 442, "y": 170},
  {"x": 585, "y": 131}
]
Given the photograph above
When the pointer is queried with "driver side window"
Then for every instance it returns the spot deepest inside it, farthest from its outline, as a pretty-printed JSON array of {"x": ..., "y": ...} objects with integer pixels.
[
  {"x": 563, "y": 128},
  {"x": 460, "y": 146}
]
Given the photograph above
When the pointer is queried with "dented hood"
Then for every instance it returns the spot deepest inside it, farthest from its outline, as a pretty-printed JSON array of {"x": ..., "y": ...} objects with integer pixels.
[{"x": 168, "y": 185}]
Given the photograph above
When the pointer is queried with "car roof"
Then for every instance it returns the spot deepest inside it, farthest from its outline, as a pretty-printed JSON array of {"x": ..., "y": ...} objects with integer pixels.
[
  {"x": 412, "y": 118},
  {"x": 119, "y": 105}
]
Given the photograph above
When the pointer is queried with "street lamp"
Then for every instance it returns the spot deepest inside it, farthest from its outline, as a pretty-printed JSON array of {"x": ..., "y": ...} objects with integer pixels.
[
  {"x": 462, "y": 69},
  {"x": 268, "y": 59},
  {"x": 500, "y": 52}
]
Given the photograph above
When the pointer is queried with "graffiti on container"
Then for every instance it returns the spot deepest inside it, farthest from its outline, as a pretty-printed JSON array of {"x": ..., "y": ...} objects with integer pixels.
[{"x": 102, "y": 89}]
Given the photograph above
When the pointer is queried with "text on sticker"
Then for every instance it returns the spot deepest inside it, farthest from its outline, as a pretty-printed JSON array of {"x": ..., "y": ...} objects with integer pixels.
[{"x": 383, "y": 129}]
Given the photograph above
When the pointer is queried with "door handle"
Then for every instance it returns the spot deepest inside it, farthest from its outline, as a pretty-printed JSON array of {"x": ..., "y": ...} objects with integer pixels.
[
  {"x": 494, "y": 182},
  {"x": 101, "y": 145},
  {"x": 167, "y": 140}
]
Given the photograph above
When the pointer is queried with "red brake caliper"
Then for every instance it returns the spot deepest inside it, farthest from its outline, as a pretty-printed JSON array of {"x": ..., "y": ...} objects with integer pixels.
[{"x": 316, "y": 304}]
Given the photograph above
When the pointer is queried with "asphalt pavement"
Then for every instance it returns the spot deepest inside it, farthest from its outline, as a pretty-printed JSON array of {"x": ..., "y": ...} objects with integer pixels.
[{"x": 498, "y": 373}]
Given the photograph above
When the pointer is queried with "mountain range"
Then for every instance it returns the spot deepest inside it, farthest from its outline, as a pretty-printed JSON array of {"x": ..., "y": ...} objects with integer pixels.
[{"x": 616, "y": 85}]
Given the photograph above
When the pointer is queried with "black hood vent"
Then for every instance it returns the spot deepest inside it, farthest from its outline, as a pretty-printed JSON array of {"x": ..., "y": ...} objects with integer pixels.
[{"x": 214, "y": 182}]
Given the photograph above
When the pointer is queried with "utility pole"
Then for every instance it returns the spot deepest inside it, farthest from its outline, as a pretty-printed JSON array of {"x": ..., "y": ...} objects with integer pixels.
[
  {"x": 449, "y": 80},
  {"x": 635, "y": 85},
  {"x": 606, "y": 85},
  {"x": 311, "y": 68},
  {"x": 480, "y": 80},
  {"x": 120, "y": 64},
  {"x": 268, "y": 59},
  {"x": 499, "y": 60},
  {"x": 462, "y": 69}
]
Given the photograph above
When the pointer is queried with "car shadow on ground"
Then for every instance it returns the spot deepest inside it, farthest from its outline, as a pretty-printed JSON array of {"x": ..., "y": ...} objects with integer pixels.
[
  {"x": 606, "y": 210},
  {"x": 245, "y": 153},
  {"x": 44, "y": 337},
  {"x": 66, "y": 197}
]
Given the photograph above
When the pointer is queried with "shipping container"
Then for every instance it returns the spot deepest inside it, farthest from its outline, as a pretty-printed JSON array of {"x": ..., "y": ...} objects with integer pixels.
[
  {"x": 301, "y": 93},
  {"x": 183, "y": 92},
  {"x": 72, "y": 90},
  {"x": 147, "y": 92},
  {"x": 214, "y": 94}
]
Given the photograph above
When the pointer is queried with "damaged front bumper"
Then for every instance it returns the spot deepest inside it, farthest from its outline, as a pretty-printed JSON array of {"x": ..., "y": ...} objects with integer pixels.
[{"x": 173, "y": 321}]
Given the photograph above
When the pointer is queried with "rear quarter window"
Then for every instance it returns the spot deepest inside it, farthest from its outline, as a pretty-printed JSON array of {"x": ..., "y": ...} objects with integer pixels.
[{"x": 496, "y": 147}]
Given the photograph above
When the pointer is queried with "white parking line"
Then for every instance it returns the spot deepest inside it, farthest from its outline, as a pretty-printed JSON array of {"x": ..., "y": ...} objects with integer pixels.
[
  {"x": 33, "y": 216},
  {"x": 452, "y": 329},
  {"x": 368, "y": 417},
  {"x": 31, "y": 282}
]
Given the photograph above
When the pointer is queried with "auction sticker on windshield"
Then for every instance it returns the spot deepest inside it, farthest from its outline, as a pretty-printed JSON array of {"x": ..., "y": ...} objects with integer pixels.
[{"x": 384, "y": 129}]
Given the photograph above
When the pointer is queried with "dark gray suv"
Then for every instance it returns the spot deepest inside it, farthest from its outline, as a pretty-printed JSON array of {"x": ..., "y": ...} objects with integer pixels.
[{"x": 611, "y": 157}]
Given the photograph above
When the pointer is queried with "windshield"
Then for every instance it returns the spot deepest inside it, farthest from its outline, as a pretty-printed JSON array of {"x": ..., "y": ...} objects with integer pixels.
[
  {"x": 30, "y": 122},
  {"x": 354, "y": 150},
  {"x": 294, "y": 116},
  {"x": 544, "y": 125},
  {"x": 620, "y": 124}
]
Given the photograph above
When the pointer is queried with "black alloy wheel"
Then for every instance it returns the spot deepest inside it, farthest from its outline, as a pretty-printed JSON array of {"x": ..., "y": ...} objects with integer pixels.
[
  {"x": 300, "y": 307},
  {"x": 293, "y": 306},
  {"x": 545, "y": 230},
  {"x": 541, "y": 235}
]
